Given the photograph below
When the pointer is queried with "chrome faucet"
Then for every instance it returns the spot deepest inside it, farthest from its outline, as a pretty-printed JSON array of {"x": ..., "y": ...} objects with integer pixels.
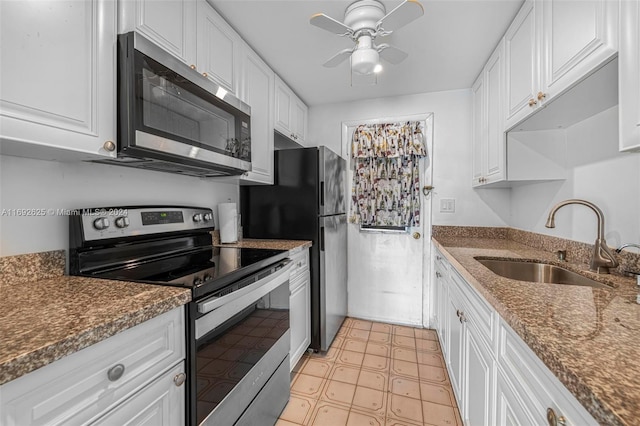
[
  {"x": 602, "y": 259},
  {"x": 624, "y": 246}
]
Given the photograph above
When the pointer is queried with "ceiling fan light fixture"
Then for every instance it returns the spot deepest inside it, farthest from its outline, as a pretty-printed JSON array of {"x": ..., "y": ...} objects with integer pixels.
[
  {"x": 377, "y": 69},
  {"x": 365, "y": 61}
]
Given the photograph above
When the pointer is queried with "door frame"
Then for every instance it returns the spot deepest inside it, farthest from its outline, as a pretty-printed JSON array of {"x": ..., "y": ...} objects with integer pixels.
[{"x": 426, "y": 178}]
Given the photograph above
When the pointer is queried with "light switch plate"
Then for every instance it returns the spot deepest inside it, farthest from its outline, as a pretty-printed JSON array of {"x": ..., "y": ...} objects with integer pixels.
[{"x": 447, "y": 205}]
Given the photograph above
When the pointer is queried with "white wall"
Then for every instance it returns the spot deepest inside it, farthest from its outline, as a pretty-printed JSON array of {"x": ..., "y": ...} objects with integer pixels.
[
  {"x": 597, "y": 172},
  {"x": 385, "y": 271},
  {"x": 35, "y": 184}
]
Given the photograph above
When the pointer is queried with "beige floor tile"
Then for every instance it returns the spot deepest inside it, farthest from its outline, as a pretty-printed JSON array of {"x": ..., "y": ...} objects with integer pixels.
[
  {"x": 404, "y": 368},
  {"x": 362, "y": 325},
  {"x": 299, "y": 409},
  {"x": 404, "y": 408},
  {"x": 354, "y": 345},
  {"x": 380, "y": 337},
  {"x": 348, "y": 322},
  {"x": 308, "y": 386},
  {"x": 432, "y": 374},
  {"x": 331, "y": 355},
  {"x": 317, "y": 367},
  {"x": 436, "y": 393},
  {"x": 403, "y": 354},
  {"x": 381, "y": 327},
  {"x": 373, "y": 379},
  {"x": 357, "y": 418},
  {"x": 337, "y": 342},
  {"x": 342, "y": 332},
  {"x": 371, "y": 400},
  {"x": 404, "y": 386},
  {"x": 402, "y": 330},
  {"x": 355, "y": 333},
  {"x": 426, "y": 333},
  {"x": 392, "y": 421},
  {"x": 380, "y": 349},
  {"x": 430, "y": 358},
  {"x": 439, "y": 415},
  {"x": 427, "y": 345},
  {"x": 345, "y": 373},
  {"x": 327, "y": 414},
  {"x": 282, "y": 422},
  {"x": 338, "y": 392},
  {"x": 404, "y": 341},
  {"x": 375, "y": 362},
  {"x": 350, "y": 357}
]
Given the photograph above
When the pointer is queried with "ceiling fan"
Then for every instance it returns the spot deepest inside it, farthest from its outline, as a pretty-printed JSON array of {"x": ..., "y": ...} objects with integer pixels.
[{"x": 365, "y": 20}]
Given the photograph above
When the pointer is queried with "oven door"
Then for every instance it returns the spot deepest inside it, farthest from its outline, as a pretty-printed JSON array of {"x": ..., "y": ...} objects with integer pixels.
[{"x": 241, "y": 343}]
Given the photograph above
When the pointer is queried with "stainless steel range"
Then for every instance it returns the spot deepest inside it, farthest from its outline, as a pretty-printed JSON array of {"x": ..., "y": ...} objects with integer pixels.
[{"x": 238, "y": 320}]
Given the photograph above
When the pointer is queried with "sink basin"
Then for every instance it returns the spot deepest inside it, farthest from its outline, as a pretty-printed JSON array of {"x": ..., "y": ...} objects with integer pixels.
[{"x": 538, "y": 272}]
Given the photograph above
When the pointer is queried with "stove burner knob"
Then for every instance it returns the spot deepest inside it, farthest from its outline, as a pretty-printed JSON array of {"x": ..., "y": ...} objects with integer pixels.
[
  {"x": 101, "y": 223},
  {"x": 197, "y": 281},
  {"x": 122, "y": 222},
  {"x": 207, "y": 277},
  {"x": 197, "y": 217},
  {"x": 208, "y": 217}
]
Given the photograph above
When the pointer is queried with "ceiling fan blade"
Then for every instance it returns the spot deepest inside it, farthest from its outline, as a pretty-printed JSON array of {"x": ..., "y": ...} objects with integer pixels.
[
  {"x": 325, "y": 22},
  {"x": 407, "y": 11},
  {"x": 338, "y": 58},
  {"x": 392, "y": 54}
]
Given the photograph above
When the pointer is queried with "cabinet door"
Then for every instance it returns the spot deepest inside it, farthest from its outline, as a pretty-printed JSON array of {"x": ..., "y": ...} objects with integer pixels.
[
  {"x": 479, "y": 135},
  {"x": 577, "y": 37},
  {"x": 300, "y": 318},
  {"x": 440, "y": 308},
  {"x": 300, "y": 121},
  {"x": 57, "y": 76},
  {"x": 629, "y": 84},
  {"x": 171, "y": 24},
  {"x": 218, "y": 47},
  {"x": 522, "y": 80},
  {"x": 258, "y": 93},
  {"x": 494, "y": 168},
  {"x": 478, "y": 382},
  {"x": 510, "y": 410},
  {"x": 456, "y": 342},
  {"x": 284, "y": 105},
  {"x": 162, "y": 403}
]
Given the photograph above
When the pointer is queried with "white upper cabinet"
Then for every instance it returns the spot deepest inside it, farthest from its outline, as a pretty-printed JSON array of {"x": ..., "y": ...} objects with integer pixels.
[
  {"x": 218, "y": 49},
  {"x": 551, "y": 46},
  {"x": 257, "y": 91},
  {"x": 290, "y": 113},
  {"x": 58, "y": 79},
  {"x": 488, "y": 128},
  {"x": 170, "y": 24},
  {"x": 629, "y": 83},
  {"x": 521, "y": 70}
]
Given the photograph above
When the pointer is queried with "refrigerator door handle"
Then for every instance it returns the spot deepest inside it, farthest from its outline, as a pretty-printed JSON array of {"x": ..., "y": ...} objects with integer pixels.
[
  {"x": 322, "y": 238},
  {"x": 322, "y": 193}
]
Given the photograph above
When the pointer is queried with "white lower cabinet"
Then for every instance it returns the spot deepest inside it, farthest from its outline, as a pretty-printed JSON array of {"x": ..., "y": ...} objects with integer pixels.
[
  {"x": 497, "y": 378},
  {"x": 299, "y": 306},
  {"x": 134, "y": 377}
]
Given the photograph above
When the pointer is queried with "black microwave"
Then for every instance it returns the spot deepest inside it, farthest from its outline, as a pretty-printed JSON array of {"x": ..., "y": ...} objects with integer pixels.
[{"x": 173, "y": 119}]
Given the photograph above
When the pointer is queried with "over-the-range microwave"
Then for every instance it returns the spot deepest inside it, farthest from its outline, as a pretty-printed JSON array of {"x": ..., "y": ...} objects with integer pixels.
[{"x": 173, "y": 119}]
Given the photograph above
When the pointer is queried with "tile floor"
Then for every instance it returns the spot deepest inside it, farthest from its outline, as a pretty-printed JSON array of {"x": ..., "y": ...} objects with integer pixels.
[{"x": 374, "y": 374}]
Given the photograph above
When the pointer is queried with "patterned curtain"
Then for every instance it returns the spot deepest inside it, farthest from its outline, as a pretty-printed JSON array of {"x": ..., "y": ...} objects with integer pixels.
[{"x": 386, "y": 175}]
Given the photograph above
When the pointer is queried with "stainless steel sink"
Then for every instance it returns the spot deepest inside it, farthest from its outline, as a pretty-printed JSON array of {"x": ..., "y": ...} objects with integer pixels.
[{"x": 538, "y": 272}]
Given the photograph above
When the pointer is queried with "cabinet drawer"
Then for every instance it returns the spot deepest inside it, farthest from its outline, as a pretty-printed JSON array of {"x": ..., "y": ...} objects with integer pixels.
[
  {"x": 77, "y": 388},
  {"x": 535, "y": 383},
  {"x": 477, "y": 311},
  {"x": 300, "y": 263}
]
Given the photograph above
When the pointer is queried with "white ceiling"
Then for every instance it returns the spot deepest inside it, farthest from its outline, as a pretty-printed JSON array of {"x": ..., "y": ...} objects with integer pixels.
[{"x": 447, "y": 46}]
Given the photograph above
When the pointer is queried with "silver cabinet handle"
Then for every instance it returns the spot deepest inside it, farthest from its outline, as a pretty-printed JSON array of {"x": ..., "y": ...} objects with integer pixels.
[
  {"x": 179, "y": 379},
  {"x": 438, "y": 257},
  {"x": 115, "y": 372},
  {"x": 438, "y": 275},
  {"x": 554, "y": 420}
]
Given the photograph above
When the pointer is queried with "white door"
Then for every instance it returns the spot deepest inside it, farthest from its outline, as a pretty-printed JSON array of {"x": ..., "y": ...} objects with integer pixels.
[{"x": 386, "y": 270}]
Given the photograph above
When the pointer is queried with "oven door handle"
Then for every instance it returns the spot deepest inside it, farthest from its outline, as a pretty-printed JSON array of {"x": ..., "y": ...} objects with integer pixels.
[{"x": 223, "y": 308}]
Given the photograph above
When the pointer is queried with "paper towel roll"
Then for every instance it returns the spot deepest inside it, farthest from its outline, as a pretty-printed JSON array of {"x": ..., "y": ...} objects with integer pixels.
[{"x": 228, "y": 219}]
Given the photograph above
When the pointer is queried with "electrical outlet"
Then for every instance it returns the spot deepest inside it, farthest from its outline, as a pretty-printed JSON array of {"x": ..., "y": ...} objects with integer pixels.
[{"x": 447, "y": 205}]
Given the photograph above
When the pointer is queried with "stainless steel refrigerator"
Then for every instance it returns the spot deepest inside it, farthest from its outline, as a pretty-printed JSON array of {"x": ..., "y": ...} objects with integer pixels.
[{"x": 307, "y": 202}]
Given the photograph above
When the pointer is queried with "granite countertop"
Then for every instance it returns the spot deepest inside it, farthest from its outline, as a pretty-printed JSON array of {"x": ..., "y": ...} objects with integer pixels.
[
  {"x": 45, "y": 315},
  {"x": 291, "y": 245},
  {"x": 589, "y": 338}
]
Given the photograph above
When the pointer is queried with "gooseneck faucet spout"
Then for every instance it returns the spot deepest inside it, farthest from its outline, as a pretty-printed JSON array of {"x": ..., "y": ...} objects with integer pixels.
[{"x": 603, "y": 259}]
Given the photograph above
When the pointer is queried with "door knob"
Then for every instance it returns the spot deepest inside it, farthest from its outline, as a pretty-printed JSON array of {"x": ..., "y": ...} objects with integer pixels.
[
  {"x": 416, "y": 235},
  {"x": 426, "y": 190}
]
